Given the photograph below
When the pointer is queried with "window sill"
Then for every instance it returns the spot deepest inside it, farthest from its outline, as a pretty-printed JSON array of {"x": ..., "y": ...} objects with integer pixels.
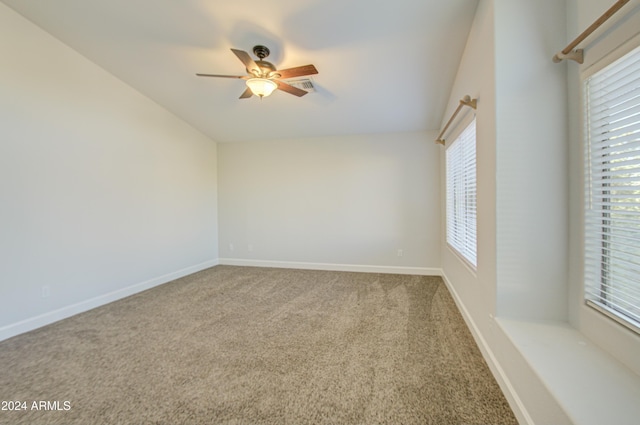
[
  {"x": 472, "y": 269},
  {"x": 589, "y": 385}
]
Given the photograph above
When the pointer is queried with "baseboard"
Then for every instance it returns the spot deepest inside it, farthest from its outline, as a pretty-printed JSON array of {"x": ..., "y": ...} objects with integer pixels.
[
  {"x": 519, "y": 410},
  {"x": 32, "y": 323},
  {"x": 422, "y": 271}
]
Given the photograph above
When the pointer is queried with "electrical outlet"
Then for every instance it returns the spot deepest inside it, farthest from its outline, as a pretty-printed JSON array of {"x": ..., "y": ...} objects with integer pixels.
[
  {"x": 231, "y": 247},
  {"x": 400, "y": 253},
  {"x": 46, "y": 291},
  {"x": 250, "y": 247}
]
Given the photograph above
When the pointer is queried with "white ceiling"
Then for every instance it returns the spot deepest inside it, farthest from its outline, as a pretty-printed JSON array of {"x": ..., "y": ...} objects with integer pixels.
[{"x": 384, "y": 66}]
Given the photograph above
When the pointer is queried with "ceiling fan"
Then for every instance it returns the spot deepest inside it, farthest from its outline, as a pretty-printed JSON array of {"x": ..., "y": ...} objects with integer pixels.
[{"x": 263, "y": 78}]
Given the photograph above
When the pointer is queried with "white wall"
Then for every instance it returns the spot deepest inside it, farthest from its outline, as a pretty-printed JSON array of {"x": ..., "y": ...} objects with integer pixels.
[
  {"x": 348, "y": 202},
  {"x": 102, "y": 192},
  {"x": 505, "y": 66},
  {"x": 476, "y": 78},
  {"x": 531, "y": 160},
  {"x": 521, "y": 300}
]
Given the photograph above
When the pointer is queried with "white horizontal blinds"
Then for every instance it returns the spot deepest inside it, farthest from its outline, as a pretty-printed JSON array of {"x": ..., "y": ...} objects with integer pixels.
[
  {"x": 612, "y": 217},
  {"x": 461, "y": 194}
]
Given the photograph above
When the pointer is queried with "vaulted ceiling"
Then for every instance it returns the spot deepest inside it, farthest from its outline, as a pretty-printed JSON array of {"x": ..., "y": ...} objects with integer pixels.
[{"x": 384, "y": 66}]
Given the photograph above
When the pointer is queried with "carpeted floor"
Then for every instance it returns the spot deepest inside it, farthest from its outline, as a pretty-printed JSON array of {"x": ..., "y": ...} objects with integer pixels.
[{"x": 244, "y": 345}]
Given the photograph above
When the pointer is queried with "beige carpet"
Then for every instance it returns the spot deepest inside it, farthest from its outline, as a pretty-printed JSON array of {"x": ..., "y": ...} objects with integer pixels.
[{"x": 244, "y": 345}]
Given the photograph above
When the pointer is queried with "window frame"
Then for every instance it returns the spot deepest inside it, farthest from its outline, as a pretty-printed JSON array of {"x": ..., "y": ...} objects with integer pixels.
[
  {"x": 463, "y": 128},
  {"x": 631, "y": 46}
]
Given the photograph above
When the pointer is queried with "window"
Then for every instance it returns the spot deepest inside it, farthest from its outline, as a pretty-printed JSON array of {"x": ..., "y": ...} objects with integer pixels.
[
  {"x": 612, "y": 180},
  {"x": 461, "y": 194}
]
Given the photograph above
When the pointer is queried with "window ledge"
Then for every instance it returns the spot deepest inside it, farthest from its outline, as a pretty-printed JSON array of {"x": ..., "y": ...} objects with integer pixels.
[{"x": 589, "y": 384}]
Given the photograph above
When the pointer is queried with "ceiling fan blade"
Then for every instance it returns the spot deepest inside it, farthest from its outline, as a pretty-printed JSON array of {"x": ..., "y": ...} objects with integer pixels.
[
  {"x": 222, "y": 76},
  {"x": 298, "y": 71},
  {"x": 246, "y": 94},
  {"x": 290, "y": 89},
  {"x": 246, "y": 60}
]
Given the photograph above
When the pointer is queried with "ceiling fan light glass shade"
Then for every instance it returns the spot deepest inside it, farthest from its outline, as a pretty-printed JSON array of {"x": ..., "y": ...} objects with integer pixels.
[{"x": 261, "y": 86}]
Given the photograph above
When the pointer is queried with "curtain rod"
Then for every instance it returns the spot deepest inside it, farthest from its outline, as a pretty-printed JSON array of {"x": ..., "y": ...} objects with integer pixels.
[
  {"x": 465, "y": 101},
  {"x": 578, "y": 54}
]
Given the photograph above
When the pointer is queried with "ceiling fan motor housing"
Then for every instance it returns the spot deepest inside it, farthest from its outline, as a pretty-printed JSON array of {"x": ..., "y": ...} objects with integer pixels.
[{"x": 266, "y": 68}]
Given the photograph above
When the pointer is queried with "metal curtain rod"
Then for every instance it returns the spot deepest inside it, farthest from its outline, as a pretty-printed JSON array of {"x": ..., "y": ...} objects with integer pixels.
[
  {"x": 578, "y": 54},
  {"x": 465, "y": 101}
]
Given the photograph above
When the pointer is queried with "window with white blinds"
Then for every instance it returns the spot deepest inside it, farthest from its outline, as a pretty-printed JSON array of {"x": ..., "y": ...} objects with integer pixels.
[
  {"x": 612, "y": 207},
  {"x": 461, "y": 194}
]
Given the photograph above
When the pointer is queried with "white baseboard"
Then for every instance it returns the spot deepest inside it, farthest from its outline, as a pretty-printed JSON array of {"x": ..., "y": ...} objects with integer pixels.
[
  {"x": 422, "y": 271},
  {"x": 509, "y": 391},
  {"x": 32, "y": 323}
]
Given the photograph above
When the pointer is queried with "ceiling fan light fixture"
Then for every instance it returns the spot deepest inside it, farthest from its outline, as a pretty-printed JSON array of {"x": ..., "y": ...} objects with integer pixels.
[{"x": 261, "y": 86}]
